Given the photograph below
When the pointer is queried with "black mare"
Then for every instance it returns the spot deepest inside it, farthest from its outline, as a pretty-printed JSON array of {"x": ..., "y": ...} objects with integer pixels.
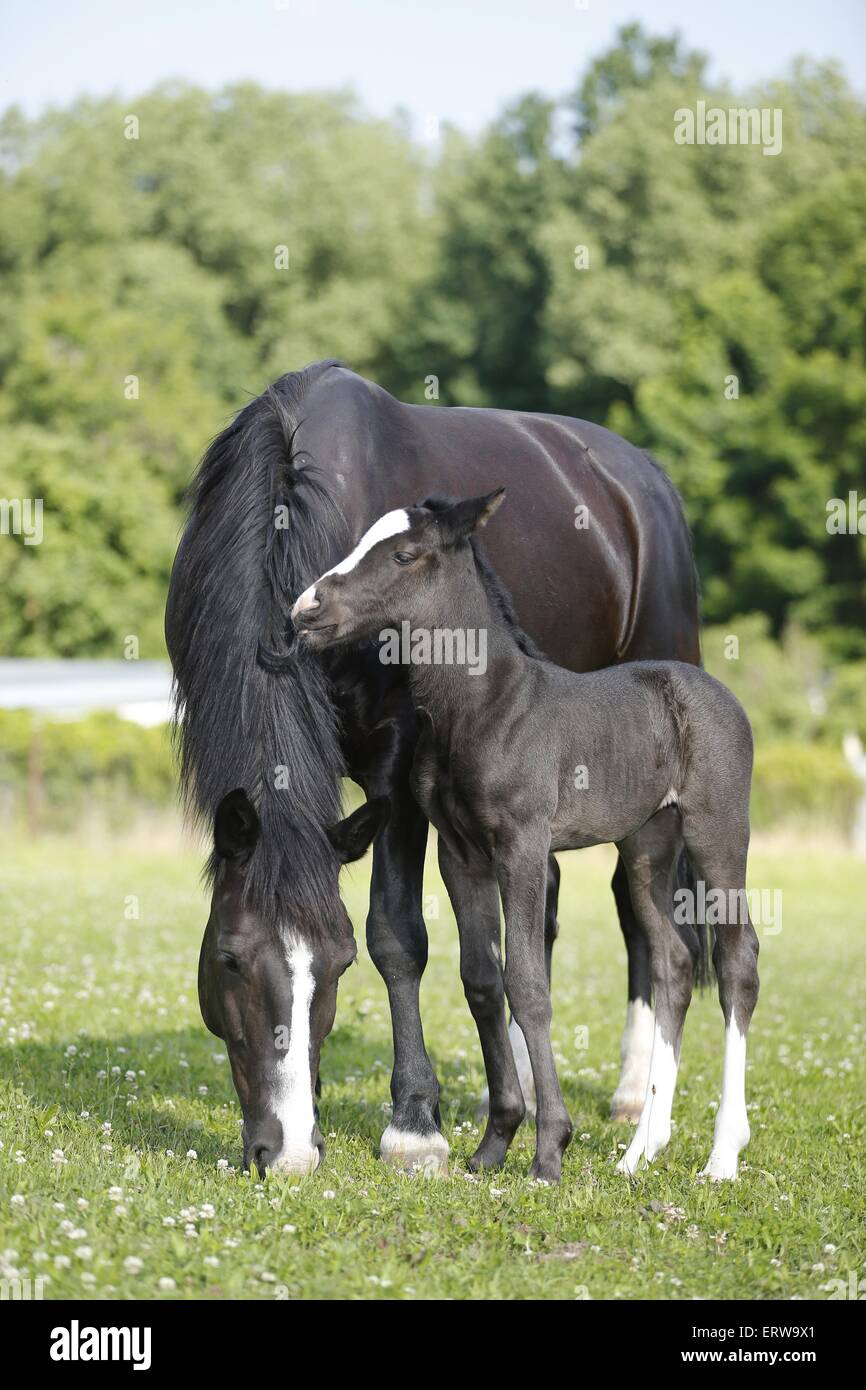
[
  {"x": 518, "y": 757},
  {"x": 596, "y": 554}
]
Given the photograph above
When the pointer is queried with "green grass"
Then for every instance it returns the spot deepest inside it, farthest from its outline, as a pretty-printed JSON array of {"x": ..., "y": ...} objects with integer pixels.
[{"x": 99, "y": 1027}]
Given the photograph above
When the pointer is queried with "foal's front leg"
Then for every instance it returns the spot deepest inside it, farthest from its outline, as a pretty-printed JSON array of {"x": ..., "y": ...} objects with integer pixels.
[
  {"x": 521, "y": 868},
  {"x": 518, "y": 1042},
  {"x": 475, "y": 898}
]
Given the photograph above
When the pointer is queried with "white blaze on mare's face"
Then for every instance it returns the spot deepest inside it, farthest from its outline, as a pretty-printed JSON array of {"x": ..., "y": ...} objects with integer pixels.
[
  {"x": 732, "y": 1122},
  {"x": 293, "y": 1090},
  {"x": 391, "y": 524}
]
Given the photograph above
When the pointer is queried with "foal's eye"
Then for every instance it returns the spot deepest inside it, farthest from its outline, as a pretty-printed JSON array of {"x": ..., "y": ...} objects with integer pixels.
[
  {"x": 402, "y": 557},
  {"x": 230, "y": 962}
]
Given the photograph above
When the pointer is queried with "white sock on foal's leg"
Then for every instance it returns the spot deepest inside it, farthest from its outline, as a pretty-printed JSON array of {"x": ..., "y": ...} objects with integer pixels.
[
  {"x": 524, "y": 1071},
  {"x": 732, "y": 1123},
  {"x": 636, "y": 1053},
  {"x": 654, "y": 1126}
]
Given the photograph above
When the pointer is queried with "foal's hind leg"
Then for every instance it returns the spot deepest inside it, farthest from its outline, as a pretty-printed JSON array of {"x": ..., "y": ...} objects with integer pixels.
[
  {"x": 650, "y": 858},
  {"x": 475, "y": 898},
  {"x": 637, "y": 1039},
  {"x": 722, "y": 866},
  {"x": 518, "y": 1042}
]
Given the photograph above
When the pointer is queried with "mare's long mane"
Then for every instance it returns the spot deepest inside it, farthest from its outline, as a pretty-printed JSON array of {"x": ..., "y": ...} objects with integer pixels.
[{"x": 261, "y": 526}]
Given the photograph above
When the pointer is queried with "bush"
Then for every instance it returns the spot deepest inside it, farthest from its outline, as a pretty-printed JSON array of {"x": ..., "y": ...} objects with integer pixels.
[
  {"x": 98, "y": 765},
  {"x": 802, "y": 784}
]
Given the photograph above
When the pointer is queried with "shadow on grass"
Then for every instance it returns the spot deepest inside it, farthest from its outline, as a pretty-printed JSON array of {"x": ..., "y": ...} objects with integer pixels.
[{"x": 60, "y": 1088}]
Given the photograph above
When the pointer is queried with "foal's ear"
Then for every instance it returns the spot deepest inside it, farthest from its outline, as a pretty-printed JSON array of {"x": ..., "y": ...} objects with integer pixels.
[
  {"x": 459, "y": 521},
  {"x": 236, "y": 827},
  {"x": 353, "y": 836}
]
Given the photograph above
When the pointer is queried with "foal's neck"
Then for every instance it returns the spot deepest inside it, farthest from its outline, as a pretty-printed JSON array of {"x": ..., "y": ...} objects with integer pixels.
[{"x": 458, "y": 694}]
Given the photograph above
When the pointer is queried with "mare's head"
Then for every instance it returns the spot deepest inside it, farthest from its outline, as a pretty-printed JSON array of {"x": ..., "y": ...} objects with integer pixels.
[
  {"x": 268, "y": 985},
  {"x": 395, "y": 572}
]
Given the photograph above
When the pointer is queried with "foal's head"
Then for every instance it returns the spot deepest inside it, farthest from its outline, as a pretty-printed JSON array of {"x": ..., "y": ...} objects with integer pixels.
[
  {"x": 269, "y": 988},
  {"x": 395, "y": 570}
]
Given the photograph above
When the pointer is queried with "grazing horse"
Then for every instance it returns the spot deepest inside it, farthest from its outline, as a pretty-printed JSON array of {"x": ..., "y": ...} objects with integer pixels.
[
  {"x": 495, "y": 771},
  {"x": 596, "y": 554}
]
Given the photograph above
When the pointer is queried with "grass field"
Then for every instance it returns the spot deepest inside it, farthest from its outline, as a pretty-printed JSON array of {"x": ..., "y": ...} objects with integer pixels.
[{"x": 119, "y": 1172}]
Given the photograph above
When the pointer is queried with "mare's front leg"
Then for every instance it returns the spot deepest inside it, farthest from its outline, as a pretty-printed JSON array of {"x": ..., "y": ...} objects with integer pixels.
[
  {"x": 521, "y": 867},
  {"x": 397, "y": 942},
  {"x": 475, "y": 898}
]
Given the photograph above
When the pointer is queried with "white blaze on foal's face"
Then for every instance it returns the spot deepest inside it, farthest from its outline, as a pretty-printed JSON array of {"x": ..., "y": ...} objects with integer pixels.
[
  {"x": 293, "y": 1090},
  {"x": 391, "y": 524}
]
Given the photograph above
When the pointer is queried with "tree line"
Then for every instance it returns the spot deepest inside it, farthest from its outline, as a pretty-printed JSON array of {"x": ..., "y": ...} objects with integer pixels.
[{"x": 163, "y": 259}]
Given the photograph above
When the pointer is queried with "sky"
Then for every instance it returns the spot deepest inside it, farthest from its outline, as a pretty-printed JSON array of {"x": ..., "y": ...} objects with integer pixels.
[{"x": 441, "y": 60}]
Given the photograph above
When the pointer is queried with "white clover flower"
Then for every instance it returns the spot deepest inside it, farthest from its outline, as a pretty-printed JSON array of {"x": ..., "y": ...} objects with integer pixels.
[{"x": 133, "y": 1265}]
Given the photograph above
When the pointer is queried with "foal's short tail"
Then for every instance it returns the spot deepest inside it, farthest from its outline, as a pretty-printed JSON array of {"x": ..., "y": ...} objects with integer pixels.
[{"x": 699, "y": 938}]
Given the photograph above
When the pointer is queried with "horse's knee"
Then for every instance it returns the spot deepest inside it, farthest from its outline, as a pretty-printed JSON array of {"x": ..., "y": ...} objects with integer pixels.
[
  {"x": 485, "y": 997},
  {"x": 397, "y": 942},
  {"x": 735, "y": 957},
  {"x": 673, "y": 975},
  {"x": 529, "y": 997}
]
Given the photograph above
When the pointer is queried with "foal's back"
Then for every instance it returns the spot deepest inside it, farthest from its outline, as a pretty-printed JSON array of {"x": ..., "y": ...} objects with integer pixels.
[{"x": 632, "y": 739}]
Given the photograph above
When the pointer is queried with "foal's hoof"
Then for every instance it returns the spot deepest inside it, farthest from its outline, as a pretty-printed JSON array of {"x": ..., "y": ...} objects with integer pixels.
[
  {"x": 721, "y": 1166},
  {"x": 422, "y": 1154},
  {"x": 547, "y": 1171},
  {"x": 490, "y": 1154},
  {"x": 626, "y": 1109}
]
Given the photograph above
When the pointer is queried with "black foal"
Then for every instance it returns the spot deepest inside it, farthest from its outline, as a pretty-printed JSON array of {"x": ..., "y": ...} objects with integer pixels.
[{"x": 519, "y": 758}]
